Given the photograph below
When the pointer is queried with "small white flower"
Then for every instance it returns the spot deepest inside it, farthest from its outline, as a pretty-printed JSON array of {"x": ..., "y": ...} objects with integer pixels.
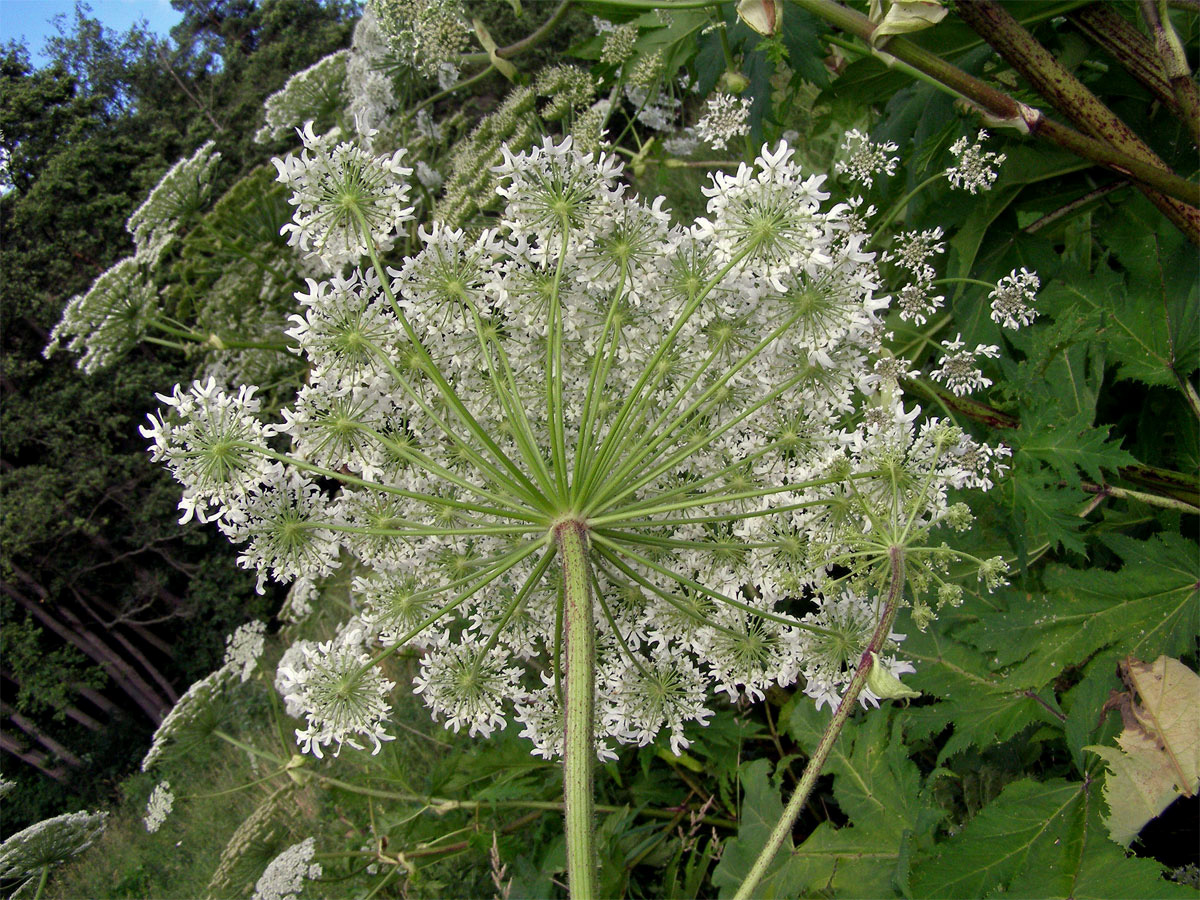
[
  {"x": 830, "y": 659},
  {"x": 1013, "y": 298},
  {"x": 725, "y": 117},
  {"x": 975, "y": 170},
  {"x": 917, "y": 301},
  {"x": 314, "y": 94},
  {"x": 159, "y": 806},
  {"x": 467, "y": 685},
  {"x": 863, "y": 159},
  {"x": 189, "y": 710},
  {"x": 284, "y": 877},
  {"x": 49, "y": 842},
  {"x": 340, "y": 692},
  {"x": 344, "y": 197},
  {"x": 244, "y": 647},
  {"x": 958, "y": 368}
]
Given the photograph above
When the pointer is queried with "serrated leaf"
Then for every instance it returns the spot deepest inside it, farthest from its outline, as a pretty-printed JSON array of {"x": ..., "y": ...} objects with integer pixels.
[
  {"x": 1068, "y": 445},
  {"x": 761, "y": 808},
  {"x": 874, "y": 781},
  {"x": 1037, "y": 840},
  {"x": 1146, "y": 609},
  {"x": 875, "y": 784},
  {"x": 1043, "y": 510},
  {"x": 1149, "y": 333},
  {"x": 801, "y": 35},
  {"x": 1159, "y": 757},
  {"x": 984, "y": 708}
]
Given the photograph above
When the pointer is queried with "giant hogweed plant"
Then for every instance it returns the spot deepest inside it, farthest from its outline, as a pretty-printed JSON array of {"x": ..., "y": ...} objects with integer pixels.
[
  {"x": 696, "y": 435},
  {"x": 593, "y": 465}
]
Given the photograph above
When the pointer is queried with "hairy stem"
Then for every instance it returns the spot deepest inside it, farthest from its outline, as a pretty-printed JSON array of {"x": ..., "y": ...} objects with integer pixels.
[
  {"x": 1070, "y": 96},
  {"x": 783, "y": 829},
  {"x": 579, "y": 751}
]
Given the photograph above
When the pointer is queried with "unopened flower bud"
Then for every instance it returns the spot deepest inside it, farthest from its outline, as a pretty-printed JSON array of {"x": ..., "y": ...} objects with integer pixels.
[
  {"x": 734, "y": 82},
  {"x": 762, "y": 16}
]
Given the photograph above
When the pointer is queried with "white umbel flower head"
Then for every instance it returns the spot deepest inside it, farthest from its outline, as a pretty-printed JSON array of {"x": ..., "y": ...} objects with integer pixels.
[
  {"x": 190, "y": 711},
  {"x": 975, "y": 170},
  {"x": 863, "y": 159},
  {"x": 1012, "y": 300},
  {"x": 159, "y": 806},
  {"x": 725, "y": 117},
  {"x": 959, "y": 368},
  {"x": 213, "y": 445},
  {"x": 244, "y": 647},
  {"x": 182, "y": 191},
  {"x": 49, "y": 842},
  {"x": 313, "y": 94},
  {"x": 105, "y": 322},
  {"x": 426, "y": 34},
  {"x": 673, "y": 409},
  {"x": 345, "y": 197},
  {"x": 284, "y": 877},
  {"x": 340, "y": 692},
  {"x": 831, "y": 658},
  {"x": 467, "y": 685}
]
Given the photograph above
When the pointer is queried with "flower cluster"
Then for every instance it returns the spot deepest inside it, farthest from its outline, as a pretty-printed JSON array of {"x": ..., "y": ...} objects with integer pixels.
[
  {"x": 313, "y": 94},
  {"x": 339, "y": 690},
  {"x": 975, "y": 170},
  {"x": 284, "y": 877},
  {"x": 106, "y": 321},
  {"x": 244, "y": 647},
  {"x": 347, "y": 199},
  {"x": 697, "y": 401},
  {"x": 725, "y": 117},
  {"x": 182, "y": 191},
  {"x": 429, "y": 35},
  {"x": 1013, "y": 297},
  {"x": 862, "y": 159},
  {"x": 48, "y": 843},
  {"x": 159, "y": 806},
  {"x": 959, "y": 367},
  {"x": 190, "y": 716}
]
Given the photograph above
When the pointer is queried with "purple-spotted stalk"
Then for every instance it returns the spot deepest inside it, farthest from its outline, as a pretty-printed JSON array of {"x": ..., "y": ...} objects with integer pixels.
[
  {"x": 579, "y": 753},
  {"x": 783, "y": 828}
]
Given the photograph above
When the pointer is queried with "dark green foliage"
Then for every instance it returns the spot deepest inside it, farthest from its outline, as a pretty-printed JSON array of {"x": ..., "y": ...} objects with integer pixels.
[{"x": 103, "y": 591}]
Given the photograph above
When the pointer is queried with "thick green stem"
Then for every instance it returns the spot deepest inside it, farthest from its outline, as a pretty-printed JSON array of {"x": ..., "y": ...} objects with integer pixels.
[
  {"x": 41, "y": 888},
  {"x": 783, "y": 829},
  {"x": 579, "y": 751}
]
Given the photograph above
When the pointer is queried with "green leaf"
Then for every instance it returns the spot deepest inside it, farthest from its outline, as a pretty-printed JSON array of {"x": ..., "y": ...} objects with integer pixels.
[
  {"x": 875, "y": 784},
  {"x": 1038, "y": 840},
  {"x": 1043, "y": 510},
  {"x": 1150, "y": 332},
  {"x": 1068, "y": 445},
  {"x": 984, "y": 708},
  {"x": 1146, "y": 609},
  {"x": 801, "y": 33},
  {"x": 761, "y": 808}
]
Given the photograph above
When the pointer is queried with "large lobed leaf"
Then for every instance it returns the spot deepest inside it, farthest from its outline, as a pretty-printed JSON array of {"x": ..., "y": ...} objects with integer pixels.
[
  {"x": 1146, "y": 609},
  {"x": 1039, "y": 839}
]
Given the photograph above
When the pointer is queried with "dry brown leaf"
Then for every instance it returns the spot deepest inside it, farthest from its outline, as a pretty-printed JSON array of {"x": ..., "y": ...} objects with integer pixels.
[{"x": 1159, "y": 755}]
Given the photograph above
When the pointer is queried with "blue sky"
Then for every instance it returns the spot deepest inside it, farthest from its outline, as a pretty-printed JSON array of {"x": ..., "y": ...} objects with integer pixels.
[{"x": 29, "y": 21}]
